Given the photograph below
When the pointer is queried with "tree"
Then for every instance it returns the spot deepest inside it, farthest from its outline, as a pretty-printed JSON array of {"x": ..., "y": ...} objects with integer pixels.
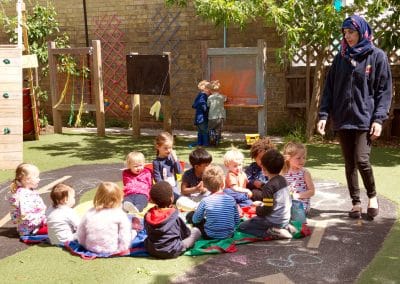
[{"x": 308, "y": 23}]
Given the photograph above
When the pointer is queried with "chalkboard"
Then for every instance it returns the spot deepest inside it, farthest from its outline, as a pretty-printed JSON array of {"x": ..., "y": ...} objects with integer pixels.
[{"x": 148, "y": 74}]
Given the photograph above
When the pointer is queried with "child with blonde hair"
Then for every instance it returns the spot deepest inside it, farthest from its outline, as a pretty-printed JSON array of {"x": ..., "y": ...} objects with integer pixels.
[
  {"x": 299, "y": 178},
  {"x": 236, "y": 180},
  {"x": 217, "y": 214},
  {"x": 201, "y": 114},
  {"x": 166, "y": 165},
  {"x": 106, "y": 228},
  {"x": 27, "y": 207},
  {"x": 62, "y": 220},
  {"x": 137, "y": 182},
  {"x": 216, "y": 112}
]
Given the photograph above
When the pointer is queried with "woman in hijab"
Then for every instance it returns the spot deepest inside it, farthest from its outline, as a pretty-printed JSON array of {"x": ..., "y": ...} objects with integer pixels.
[{"x": 357, "y": 97}]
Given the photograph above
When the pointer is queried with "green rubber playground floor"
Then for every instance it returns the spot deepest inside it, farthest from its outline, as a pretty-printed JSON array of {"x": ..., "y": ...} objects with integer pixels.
[{"x": 42, "y": 263}]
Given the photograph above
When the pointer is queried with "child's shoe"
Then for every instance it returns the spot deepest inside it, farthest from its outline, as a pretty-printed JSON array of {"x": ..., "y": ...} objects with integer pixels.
[
  {"x": 129, "y": 207},
  {"x": 279, "y": 233}
]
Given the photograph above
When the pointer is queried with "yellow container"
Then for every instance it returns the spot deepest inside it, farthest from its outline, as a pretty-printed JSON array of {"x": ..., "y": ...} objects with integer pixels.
[{"x": 251, "y": 138}]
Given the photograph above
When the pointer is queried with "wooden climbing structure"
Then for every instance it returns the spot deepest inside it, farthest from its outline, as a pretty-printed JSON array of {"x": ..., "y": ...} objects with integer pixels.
[
  {"x": 11, "y": 124},
  {"x": 59, "y": 104}
]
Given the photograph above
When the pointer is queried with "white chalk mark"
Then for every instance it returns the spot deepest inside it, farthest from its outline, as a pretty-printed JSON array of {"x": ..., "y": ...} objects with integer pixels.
[
  {"x": 48, "y": 187},
  {"x": 278, "y": 278},
  {"x": 318, "y": 232},
  {"x": 5, "y": 219}
]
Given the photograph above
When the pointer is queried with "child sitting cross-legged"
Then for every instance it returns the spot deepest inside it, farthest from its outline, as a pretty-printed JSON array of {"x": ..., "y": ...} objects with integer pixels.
[
  {"x": 167, "y": 234},
  {"x": 217, "y": 214},
  {"x": 273, "y": 214},
  {"x": 192, "y": 184},
  {"x": 106, "y": 228},
  {"x": 62, "y": 220}
]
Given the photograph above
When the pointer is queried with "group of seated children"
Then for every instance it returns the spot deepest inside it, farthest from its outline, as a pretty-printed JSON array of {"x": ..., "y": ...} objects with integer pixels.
[
  {"x": 209, "y": 113},
  {"x": 213, "y": 198}
]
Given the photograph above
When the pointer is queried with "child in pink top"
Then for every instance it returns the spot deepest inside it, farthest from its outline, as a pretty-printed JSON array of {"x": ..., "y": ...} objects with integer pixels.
[
  {"x": 106, "y": 228},
  {"x": 27, "y": 207},
  {"x": 137, "y": 182}
]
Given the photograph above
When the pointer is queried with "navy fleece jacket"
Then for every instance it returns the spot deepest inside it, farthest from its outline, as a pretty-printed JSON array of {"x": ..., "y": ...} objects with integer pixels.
[
  {"x": 165, "y": 232},
  {"x": 357, "y": 93}
]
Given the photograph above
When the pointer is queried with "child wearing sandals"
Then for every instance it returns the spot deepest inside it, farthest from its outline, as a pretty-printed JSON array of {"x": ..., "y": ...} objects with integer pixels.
[
  {"x": 106, "y": 228},
  {"x": 28, "y": 210},
  {"x": 273, "y": 214},
  {"x": 62, "y": 220},
  {"x": 167, "y": 234},
  {"x": 137, "y": 182},
  {"x": 299, "y": 178}
]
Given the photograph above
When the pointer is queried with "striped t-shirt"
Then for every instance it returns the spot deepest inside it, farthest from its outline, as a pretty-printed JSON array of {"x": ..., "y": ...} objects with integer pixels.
[
  {"x": 296, "y": 181},
  {"x": 221, "y": 215}
]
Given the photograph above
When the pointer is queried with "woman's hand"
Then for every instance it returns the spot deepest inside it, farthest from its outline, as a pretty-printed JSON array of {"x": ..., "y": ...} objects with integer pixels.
[
  {"x": 321, "y": 126},
  {"x": 376, "y": 130}
]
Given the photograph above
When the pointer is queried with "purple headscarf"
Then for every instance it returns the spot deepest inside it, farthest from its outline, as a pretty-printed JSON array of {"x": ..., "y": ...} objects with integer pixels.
[{"x": 364, "y": 44}]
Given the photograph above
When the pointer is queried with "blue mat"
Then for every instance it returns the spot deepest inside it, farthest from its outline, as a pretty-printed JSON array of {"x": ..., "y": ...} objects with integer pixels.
[{"x": 137, "y": 249}]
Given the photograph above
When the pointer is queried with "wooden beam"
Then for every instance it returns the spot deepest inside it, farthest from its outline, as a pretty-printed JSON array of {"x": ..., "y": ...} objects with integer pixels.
[
  {"x": 76, "y": 50},
  {"x": 168, "y": 102},
  {"x": 135, "y": 115},
  {"x": 97, "y": 88},
  {"x": 57, "y": 121}
]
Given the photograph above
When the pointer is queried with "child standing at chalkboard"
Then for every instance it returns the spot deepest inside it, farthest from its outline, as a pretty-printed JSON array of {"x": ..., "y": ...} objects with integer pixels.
[
  {"x": 216, "y": 112},
  {"x": 201, "y": 114}
]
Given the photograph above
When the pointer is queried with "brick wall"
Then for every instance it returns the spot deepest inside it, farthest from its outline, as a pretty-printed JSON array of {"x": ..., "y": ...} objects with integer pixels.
[{"x": 138, "y": 18}]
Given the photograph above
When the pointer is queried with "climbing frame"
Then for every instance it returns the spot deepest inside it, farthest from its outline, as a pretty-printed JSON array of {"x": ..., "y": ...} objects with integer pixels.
[{"x": 11, "y": 122}]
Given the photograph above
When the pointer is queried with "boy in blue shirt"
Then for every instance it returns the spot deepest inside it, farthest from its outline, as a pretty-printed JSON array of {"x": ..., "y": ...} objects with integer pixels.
[{"x": 217, "y": 214}]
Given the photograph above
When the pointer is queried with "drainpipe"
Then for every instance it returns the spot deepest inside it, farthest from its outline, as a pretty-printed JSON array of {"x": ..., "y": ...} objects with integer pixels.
[
  {"x": 225, "y": 35},
  {"x": 86, "y": 24}
]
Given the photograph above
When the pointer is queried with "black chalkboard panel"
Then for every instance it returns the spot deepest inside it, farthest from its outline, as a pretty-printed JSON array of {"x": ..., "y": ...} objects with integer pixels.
[{"x": 148, "y": 74}]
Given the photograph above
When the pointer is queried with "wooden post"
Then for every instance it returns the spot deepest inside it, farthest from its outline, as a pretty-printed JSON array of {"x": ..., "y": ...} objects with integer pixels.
[
  {"x": 168, "y": 102},
  {"x": 135, "y": 115},
  {"x": 260, "y": 81},
  {"x": 30, "y": 75},
  {"x": 308, "y": 78},
  {"x": 97, "y": 88},
  {"x": 57, "y": 122}
]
